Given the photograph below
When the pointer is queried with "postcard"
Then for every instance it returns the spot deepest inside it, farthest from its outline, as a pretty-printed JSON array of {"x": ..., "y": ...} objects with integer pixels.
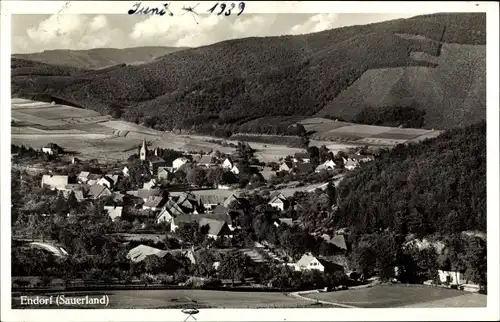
[{"x": 249, "y": 161}]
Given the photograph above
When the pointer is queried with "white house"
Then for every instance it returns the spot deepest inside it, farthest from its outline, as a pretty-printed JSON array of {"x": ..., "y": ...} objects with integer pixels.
[
  {"x": 452, "y": 277},
  {"x": 50, "y": 149},
  {"x": 301, "y": 157},
  {"x": 179, "y": 162},
  {"x": 286, "y": 166},
  {"x": 279, "y": 201},
  {"x": 150, "y": 184},
  {"x": 125, "y": 171},
  {"x": 308, "y": 262},
  {"x": 164, "y": 216},
  {"x": 227, "y": 164}
]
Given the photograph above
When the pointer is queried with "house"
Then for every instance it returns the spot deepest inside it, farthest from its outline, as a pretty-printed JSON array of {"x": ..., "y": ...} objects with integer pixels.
[
  {"x": 149, "y": 185},
  {"x": 105, "y": 181},
  {"x": 139, "y": 253},
  {"x": 179, "y": 162},
  {"x": 154, "y": 203},
  {"x": 125, "y": 171},
  {"x": 300, "y": 157},
  {"x": 114, "y": 211},
  {"x": 97, "y": 191},
  {"x": 235, "y": 170},
  {"x": 279, "y": 201},
  {"x": 113, "y": 177},
  {"x": 209, "y": 202},
  {"x": 451, "y": 277},
  {"x": 75, "y": 160},
  {"x": 286, "y": 166},
  {"x": 227, "y": 164},
  {"x": 309, "y": 262},
  {"x": 79, "y": 194},
  {"x": 216, "y": 228},
  {"x": 326, "y": 166},
  {"x": 267, "y": 173},
  {"x": 351, "y": 163},
  {"x": 179, "y": 220},
  {"x": 83, "y": 177},
  {"x": 188, "y": 202},
  {"x": 155, "y": 162},
  {"x": 304, "y": 168},
  {"x": 54, "y": 182},
  {"x": 205, "y": 160},
  {"x": 92, "y": 179},
  {"x": 163, "y": 173},
  {"x": 169, "y": 211}
]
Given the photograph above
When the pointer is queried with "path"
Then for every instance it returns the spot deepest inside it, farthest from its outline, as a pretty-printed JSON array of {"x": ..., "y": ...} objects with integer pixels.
[{"x": 298, "y": 296}]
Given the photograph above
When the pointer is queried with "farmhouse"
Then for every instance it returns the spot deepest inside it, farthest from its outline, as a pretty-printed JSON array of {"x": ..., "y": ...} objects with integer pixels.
[
  {"x": 188, "y": 202},
  {"x": 327, "y": 165},
  {"x": 114, "y": 211},
  {"x": 451, "y": 277},
  {"x": 54, "y": 182},
  {"x": 79, "y": 193},
  {"x": 279, "y": 201},
  {"x": 144, "y": 194},
  {"x": 216, "y": 228},
  {"x": 169, "y": 211},
  {"x": 179, "y": 162},
  {"x": 51, "y": 149},
  {"x": 232, "y": 200},
  {"x": 87, "y": 177},
  {"x": 105, "y": 181},
  {"x": 301, "y": 157}
]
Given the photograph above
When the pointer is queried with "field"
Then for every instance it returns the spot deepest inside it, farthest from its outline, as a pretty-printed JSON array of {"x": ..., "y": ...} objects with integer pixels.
[
  {"x": 151, "y": 299},
  {"x": 325, "y": 131},
  {"x": 454, "y": 85},
  {"x": 392, "y": 296}
]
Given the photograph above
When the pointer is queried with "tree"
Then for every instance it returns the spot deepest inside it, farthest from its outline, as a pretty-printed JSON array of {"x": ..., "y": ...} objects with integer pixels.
[
  {"x": 197, "y": 176},
  {"x": 72, "y": 201},
  {"x": 215, "y": 176},
  {"x": 234, "y": 265},
  {"x": 475, "y": 258}
]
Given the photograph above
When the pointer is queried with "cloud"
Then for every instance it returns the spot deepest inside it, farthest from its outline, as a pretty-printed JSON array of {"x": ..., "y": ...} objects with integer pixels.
[
  {"x": 99, "y": 22},
  {"x": 316, "y": 23}
]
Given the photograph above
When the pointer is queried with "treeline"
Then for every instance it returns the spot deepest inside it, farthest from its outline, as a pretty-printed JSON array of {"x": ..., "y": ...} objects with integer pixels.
[
  {"x": 438, "y": 185},
  {"x": 286, "y": 76}
]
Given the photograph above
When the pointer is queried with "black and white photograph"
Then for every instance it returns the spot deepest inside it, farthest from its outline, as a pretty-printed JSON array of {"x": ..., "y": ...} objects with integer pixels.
[{"x": 191, "y": 156}]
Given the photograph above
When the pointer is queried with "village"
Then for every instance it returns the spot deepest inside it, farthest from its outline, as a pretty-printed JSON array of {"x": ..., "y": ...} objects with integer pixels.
[{"x": 223, "y": 216}]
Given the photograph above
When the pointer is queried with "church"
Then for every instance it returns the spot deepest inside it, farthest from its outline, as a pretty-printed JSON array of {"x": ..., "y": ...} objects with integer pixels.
[{"x": 153, "y": 160}]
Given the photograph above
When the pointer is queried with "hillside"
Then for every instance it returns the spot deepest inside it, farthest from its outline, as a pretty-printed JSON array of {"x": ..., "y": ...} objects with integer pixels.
[
  {"x": 230, "y": 83},
  {"x": 99, "y": 57},
  {"x": 438, "y": 185}
]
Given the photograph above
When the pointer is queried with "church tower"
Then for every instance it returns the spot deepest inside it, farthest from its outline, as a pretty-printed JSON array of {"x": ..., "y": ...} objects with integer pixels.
[{"x": 143, "y": 153}]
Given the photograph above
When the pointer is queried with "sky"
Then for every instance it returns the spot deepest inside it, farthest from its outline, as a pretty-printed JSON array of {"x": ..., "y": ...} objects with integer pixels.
[{"x": 36, "y": 33}]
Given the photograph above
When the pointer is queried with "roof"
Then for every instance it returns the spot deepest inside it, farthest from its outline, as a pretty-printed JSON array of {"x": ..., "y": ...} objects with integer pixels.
[
  {"x": 155, "y": 159},
  {"x": 78, "y": 194},
  {"x": 97, "y": 191},
  {"x": 113, "y": 211},
  {"x": 140, "y": 253},
  {"x": 146, "y": 193},
  {"x": 55, "y": 180},
  {"x": 154, "y": 201},
  {"x": 173, "y": 208},
  {"x": 206, "y": 159},
  {"x": 287, "y": 163},
  {"x": 161, "y": 169},
  {"x": 212, "y": 199},
  {"x": 183, "y": 159},
  {"x": 215, "y": 226},
  {"x": 83, "y": 174},
  {"x": 337, "y": 240},
  {"x": 113, "y": 177},
  {"x": 184, "y": 219}
]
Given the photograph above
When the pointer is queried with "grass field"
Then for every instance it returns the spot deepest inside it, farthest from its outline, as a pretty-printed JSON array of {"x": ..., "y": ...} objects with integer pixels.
[
  {"x": 151, "y": 299},
  {"x": 392, "y": 296},
  {"x": 444, "y": 92}
]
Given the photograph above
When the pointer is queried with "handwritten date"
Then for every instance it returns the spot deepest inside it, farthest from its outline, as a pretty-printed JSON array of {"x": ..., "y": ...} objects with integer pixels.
[{"x": 227, "y": 10}]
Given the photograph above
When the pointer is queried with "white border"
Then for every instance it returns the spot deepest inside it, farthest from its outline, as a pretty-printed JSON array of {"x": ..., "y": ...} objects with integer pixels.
[{"x": 493, "y": 143}]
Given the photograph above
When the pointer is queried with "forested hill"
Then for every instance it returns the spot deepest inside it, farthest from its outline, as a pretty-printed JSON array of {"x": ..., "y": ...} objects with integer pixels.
[
  {"x": 438, "y": 185},
  {"x": 99, "y": 57},
  {"x": 236, "y": 81}
]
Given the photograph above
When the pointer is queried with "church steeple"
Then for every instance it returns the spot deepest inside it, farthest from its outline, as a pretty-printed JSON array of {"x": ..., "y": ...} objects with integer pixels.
[{"x": 143, "y": 153}]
